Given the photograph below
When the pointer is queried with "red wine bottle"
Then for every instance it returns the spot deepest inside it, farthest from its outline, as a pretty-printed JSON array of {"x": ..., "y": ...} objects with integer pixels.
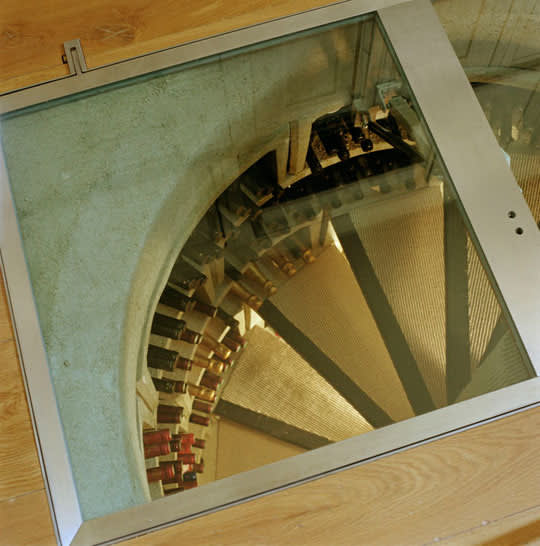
[
  {"x": 156, "y": 450},
  {"x": 169, "y": 414},
  {"x": 163, "y": 472},
  {"x": 156, "y": 437},
  {"x": 199, "y": 419}
]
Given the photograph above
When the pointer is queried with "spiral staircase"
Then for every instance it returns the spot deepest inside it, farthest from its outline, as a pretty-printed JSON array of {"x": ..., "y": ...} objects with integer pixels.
[{"x": 342, "y": 298}]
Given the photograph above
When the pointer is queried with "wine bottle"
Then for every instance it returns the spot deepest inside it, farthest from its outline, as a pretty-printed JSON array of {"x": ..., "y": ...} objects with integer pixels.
[
  {"x": 172, "y": 482},
  {"x": 156, "y": 450},
  {"x": 170, "y": 386},
  {"x": 246, "y": 297},
  {"x": 164, "y": 385},
  {"x": 169, "y": 414},
  {"x": 199, "y": 443},
  {"x": 204, "y": 308},
  {"x": 156, "y": 437},
  {"x": 199, "y": 467},
  {"x": 298, "y": 249},
  {"x": 317, "y": 151},
  {"x": 170, "y": 471},
  {"x": 281, "y": 263},
  {"x": 225, "y": 361},
  {"x": 175, "y": 299},
  {"x": 232, "y": 344},
  {"x": 167, "y": 326},
  {"x": 335, "y": 141},
  {"x": 161, "y": 359},
  {"x": 183, "y": 363},
  {"x": 190, "y": 336},
  {"x": 164, "y": 471},
  {"x": 234, "y": 334},
  {"x": 172, "y": 328},
  {"x": 227, "y": 319},
  {"x": 199, "y": 419},
  {"x": 186, "y": 276},
  {"x": 202, "y": 392},
  {"x": 189, "y": 477},
  {"x": 204, "y": 407},
  {"x": 186, "y": 438},
  {"x": 212, "y": 344},
  {"x": 185, "y": 458},
  {"x": 210, "y": 380},
  {"x": 211, "y": 364},
  {"x": 254, "y": 274}
]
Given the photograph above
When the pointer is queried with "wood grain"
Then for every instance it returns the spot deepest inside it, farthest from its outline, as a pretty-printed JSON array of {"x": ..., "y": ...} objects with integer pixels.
[
  {"x": 413, "y": 497},
  {"x": 25, "y": 521},
  {"x": 31, "y": 47},
  {"x": 19, "y": 469}
]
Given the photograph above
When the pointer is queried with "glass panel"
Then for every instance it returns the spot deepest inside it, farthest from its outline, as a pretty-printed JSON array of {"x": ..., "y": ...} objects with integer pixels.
[
  {"x": 250, "y": 257},
  {"x": 500, "y": 51}
]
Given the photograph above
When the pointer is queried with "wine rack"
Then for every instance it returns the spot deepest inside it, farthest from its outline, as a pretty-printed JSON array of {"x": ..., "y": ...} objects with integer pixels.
[{"x": 257, "y": 235}]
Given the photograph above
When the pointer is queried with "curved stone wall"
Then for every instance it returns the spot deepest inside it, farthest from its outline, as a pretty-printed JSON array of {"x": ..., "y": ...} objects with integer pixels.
[{"x": 108, "y": 187}]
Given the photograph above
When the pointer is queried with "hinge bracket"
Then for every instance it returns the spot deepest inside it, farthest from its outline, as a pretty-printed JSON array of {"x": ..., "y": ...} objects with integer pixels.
[{"x": 74, "y": 57}]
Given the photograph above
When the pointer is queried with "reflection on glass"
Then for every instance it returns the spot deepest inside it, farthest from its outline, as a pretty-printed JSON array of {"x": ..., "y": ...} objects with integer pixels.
[
  {"x": 499, "y": 50},
  {"x": 329, "y": 287},
  {"x": 513, "y": 112}
]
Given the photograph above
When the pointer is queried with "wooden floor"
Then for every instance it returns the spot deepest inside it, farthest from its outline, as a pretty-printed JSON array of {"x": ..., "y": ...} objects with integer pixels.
[
  {"x": 112, "y": 30},
  {"x": 479, "y": 487}
]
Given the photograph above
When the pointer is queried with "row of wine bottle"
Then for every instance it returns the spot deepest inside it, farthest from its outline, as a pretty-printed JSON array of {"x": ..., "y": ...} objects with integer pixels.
[
  {"x": 251, "y": 207},
  {"x": 211, "y": 355},
  {"x": 163, "y": 441}
]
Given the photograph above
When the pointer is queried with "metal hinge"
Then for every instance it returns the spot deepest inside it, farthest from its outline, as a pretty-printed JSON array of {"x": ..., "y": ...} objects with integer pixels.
[{"x": 74, "y": 56}]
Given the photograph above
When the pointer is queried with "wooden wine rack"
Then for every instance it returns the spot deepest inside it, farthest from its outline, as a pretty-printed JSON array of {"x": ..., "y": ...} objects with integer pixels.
[{"x": 246, "y": 230}]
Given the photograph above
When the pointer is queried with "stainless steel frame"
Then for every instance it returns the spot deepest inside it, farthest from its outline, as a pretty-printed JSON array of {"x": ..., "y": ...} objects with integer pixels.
[{"x": 487, "y": 191}]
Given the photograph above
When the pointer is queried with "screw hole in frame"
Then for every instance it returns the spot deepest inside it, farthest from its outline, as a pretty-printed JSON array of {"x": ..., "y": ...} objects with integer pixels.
[
  {"x": 511, "y": 214},
  {"x": 519, "y": 231}
]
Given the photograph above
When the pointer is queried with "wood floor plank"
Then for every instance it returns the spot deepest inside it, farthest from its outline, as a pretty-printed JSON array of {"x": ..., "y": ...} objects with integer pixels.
[
  {"x": 413, "y": 497},
  {"x": 6, "y": 331},
  {"x": 31, "y": 47},
  {"x": 19, "y": 469},
  {"x": 515, "y": 530},
  {"x": 25, "y": 521}
]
